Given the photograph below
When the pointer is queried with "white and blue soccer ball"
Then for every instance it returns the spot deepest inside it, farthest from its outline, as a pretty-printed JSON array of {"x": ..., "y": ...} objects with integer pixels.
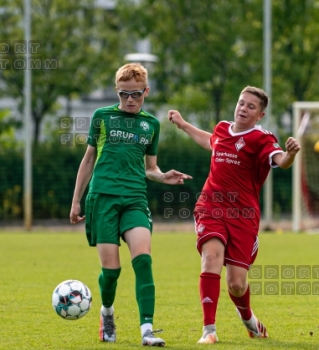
[{"x": 71, "y": 299}]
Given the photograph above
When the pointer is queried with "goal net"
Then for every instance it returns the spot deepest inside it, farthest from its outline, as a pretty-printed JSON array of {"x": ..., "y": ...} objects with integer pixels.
[{"x": 306, "y": 168}]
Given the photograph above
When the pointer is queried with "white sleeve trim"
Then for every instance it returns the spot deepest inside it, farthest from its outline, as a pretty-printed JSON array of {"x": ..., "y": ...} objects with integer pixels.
[{"x": 271, "y": 163}]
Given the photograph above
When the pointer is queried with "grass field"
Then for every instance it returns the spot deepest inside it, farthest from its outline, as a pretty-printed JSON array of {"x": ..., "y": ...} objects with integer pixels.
[{"x": 32, "y": 264}]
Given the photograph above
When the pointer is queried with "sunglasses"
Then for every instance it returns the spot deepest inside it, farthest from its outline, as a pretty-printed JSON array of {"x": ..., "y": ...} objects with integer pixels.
[{"x": 134, "y": 94}]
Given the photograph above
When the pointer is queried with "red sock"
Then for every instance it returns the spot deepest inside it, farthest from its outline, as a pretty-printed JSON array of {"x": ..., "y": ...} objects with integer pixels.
[
  {"x": 243, "y": 304},
  {"x": 209, "y": 289}
]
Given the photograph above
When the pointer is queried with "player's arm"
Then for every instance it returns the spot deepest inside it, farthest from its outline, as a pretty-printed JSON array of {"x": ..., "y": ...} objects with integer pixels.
[
  {"x": 285, "y": 159},
  {"x": 154, "y": 173},
  {"x": 82, "y": 180},
  {"x": 199, "y": 136}
]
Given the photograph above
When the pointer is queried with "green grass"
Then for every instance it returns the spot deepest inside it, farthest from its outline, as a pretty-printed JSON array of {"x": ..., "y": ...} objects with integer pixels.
[{"x": 31, "y": 265}]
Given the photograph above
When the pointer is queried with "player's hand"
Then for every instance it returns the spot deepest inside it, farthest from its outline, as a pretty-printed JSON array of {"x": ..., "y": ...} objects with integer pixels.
[
  {"x": 174, "y": 177},
  {"x": 292, "y": 146},
  {"x": 175, "y": 118},
  {"x": 75, "y": 214}
]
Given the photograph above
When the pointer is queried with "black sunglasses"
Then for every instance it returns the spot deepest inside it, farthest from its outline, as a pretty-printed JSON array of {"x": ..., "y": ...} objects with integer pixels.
[{"x": 134, "y": 94}]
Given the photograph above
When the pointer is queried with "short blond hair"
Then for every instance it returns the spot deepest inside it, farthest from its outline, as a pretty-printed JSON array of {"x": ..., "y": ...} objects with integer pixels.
[
  {"x": 130, "y": 71},
  {"x": 261, "y": 94}
]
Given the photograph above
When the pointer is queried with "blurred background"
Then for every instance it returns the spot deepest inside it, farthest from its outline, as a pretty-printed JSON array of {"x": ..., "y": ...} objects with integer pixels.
[{"x": 200, "y": 54}]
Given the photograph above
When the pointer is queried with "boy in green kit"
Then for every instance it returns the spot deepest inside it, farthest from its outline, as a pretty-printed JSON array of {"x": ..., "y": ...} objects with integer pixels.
[{"x": 121, "y": 153}]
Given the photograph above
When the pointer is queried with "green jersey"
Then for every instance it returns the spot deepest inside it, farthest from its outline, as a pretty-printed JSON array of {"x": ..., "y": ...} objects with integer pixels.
[{"x": 122, "y": 139}]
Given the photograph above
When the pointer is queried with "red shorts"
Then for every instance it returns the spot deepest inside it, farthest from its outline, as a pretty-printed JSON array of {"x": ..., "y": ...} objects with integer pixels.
[{"x": 241, "y": 245}]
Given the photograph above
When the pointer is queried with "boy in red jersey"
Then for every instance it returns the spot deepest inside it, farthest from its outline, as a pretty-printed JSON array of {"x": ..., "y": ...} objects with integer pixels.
[
  {"x": 121, "y": 153},
  {"x": 227, "y": 212}
]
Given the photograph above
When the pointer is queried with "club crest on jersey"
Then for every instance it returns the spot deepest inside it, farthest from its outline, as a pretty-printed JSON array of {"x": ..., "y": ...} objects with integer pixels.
[
  {"x": 200, "y": 228},
  {"x": 240, "y": 144},
  {"x": 276, "y": 145},
  {"x": 144, "y": 126}
]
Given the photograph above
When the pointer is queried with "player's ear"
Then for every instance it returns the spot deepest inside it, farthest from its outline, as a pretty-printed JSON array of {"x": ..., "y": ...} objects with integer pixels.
[
  {"x": 262, "y": 114},
  {"x": 147, "y": 90}
]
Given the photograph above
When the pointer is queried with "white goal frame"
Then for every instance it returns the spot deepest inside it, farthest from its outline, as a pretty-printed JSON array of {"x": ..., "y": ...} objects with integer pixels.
[{"x": 298, "y": 108}]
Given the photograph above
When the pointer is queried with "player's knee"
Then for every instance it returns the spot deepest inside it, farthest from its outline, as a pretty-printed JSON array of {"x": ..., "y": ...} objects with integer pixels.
[
  {"x": 142, "y": 262},
  {"x": 237, "y": 287},
  {"x": 109, "y": 276},
  {"x": 211, "y": 261}
]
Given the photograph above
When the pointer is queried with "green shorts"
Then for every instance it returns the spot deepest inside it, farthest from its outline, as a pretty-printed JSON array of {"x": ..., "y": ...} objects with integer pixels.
[{"x": 107, "y": 217}]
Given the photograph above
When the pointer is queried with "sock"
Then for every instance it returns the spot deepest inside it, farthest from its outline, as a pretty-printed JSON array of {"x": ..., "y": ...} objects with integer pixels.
[
  {"x": 144, "y": 287},
  {"x": 108, "y": 283},
  {"x": 107, "y": 311},
  {"x": 243, "y": 304},
  {"x": 209, "y": 289},
  {"x": 145, "y": 327},
  {"x": 210, "y": 328}
]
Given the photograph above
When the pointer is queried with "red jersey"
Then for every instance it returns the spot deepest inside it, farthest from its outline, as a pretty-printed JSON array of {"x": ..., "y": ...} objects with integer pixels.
[{"x": 240, "y": 164}]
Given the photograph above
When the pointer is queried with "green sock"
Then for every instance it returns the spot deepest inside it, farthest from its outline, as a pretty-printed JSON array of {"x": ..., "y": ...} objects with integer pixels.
[
  {"x": 108, "y": 283},
  {"x": 145, "y": 289}
]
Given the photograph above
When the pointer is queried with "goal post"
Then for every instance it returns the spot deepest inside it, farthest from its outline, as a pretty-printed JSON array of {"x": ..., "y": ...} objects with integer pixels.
[{"x": 305, "y": 121}]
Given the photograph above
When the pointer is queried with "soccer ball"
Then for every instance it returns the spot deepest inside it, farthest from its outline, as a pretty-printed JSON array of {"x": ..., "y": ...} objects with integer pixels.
[{"x": 71, "y": 299}]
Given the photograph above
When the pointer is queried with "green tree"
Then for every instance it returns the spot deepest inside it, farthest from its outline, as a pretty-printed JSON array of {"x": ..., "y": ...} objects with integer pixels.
[
  {"x": 78, "y": 52},
  {"x": 295, "y": 51},
  {"x": 208, "y": 50},
  {"x": 7, "y": 126}
]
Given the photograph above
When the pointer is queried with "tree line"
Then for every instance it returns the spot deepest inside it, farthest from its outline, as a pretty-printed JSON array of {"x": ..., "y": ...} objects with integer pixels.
[
  {"x": 207, "y": 52},
  {"x": 55, "y": 168}
]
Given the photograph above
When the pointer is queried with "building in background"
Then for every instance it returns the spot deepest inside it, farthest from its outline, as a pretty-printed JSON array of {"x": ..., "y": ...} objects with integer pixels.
[{"x": 85, "y": 105}]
